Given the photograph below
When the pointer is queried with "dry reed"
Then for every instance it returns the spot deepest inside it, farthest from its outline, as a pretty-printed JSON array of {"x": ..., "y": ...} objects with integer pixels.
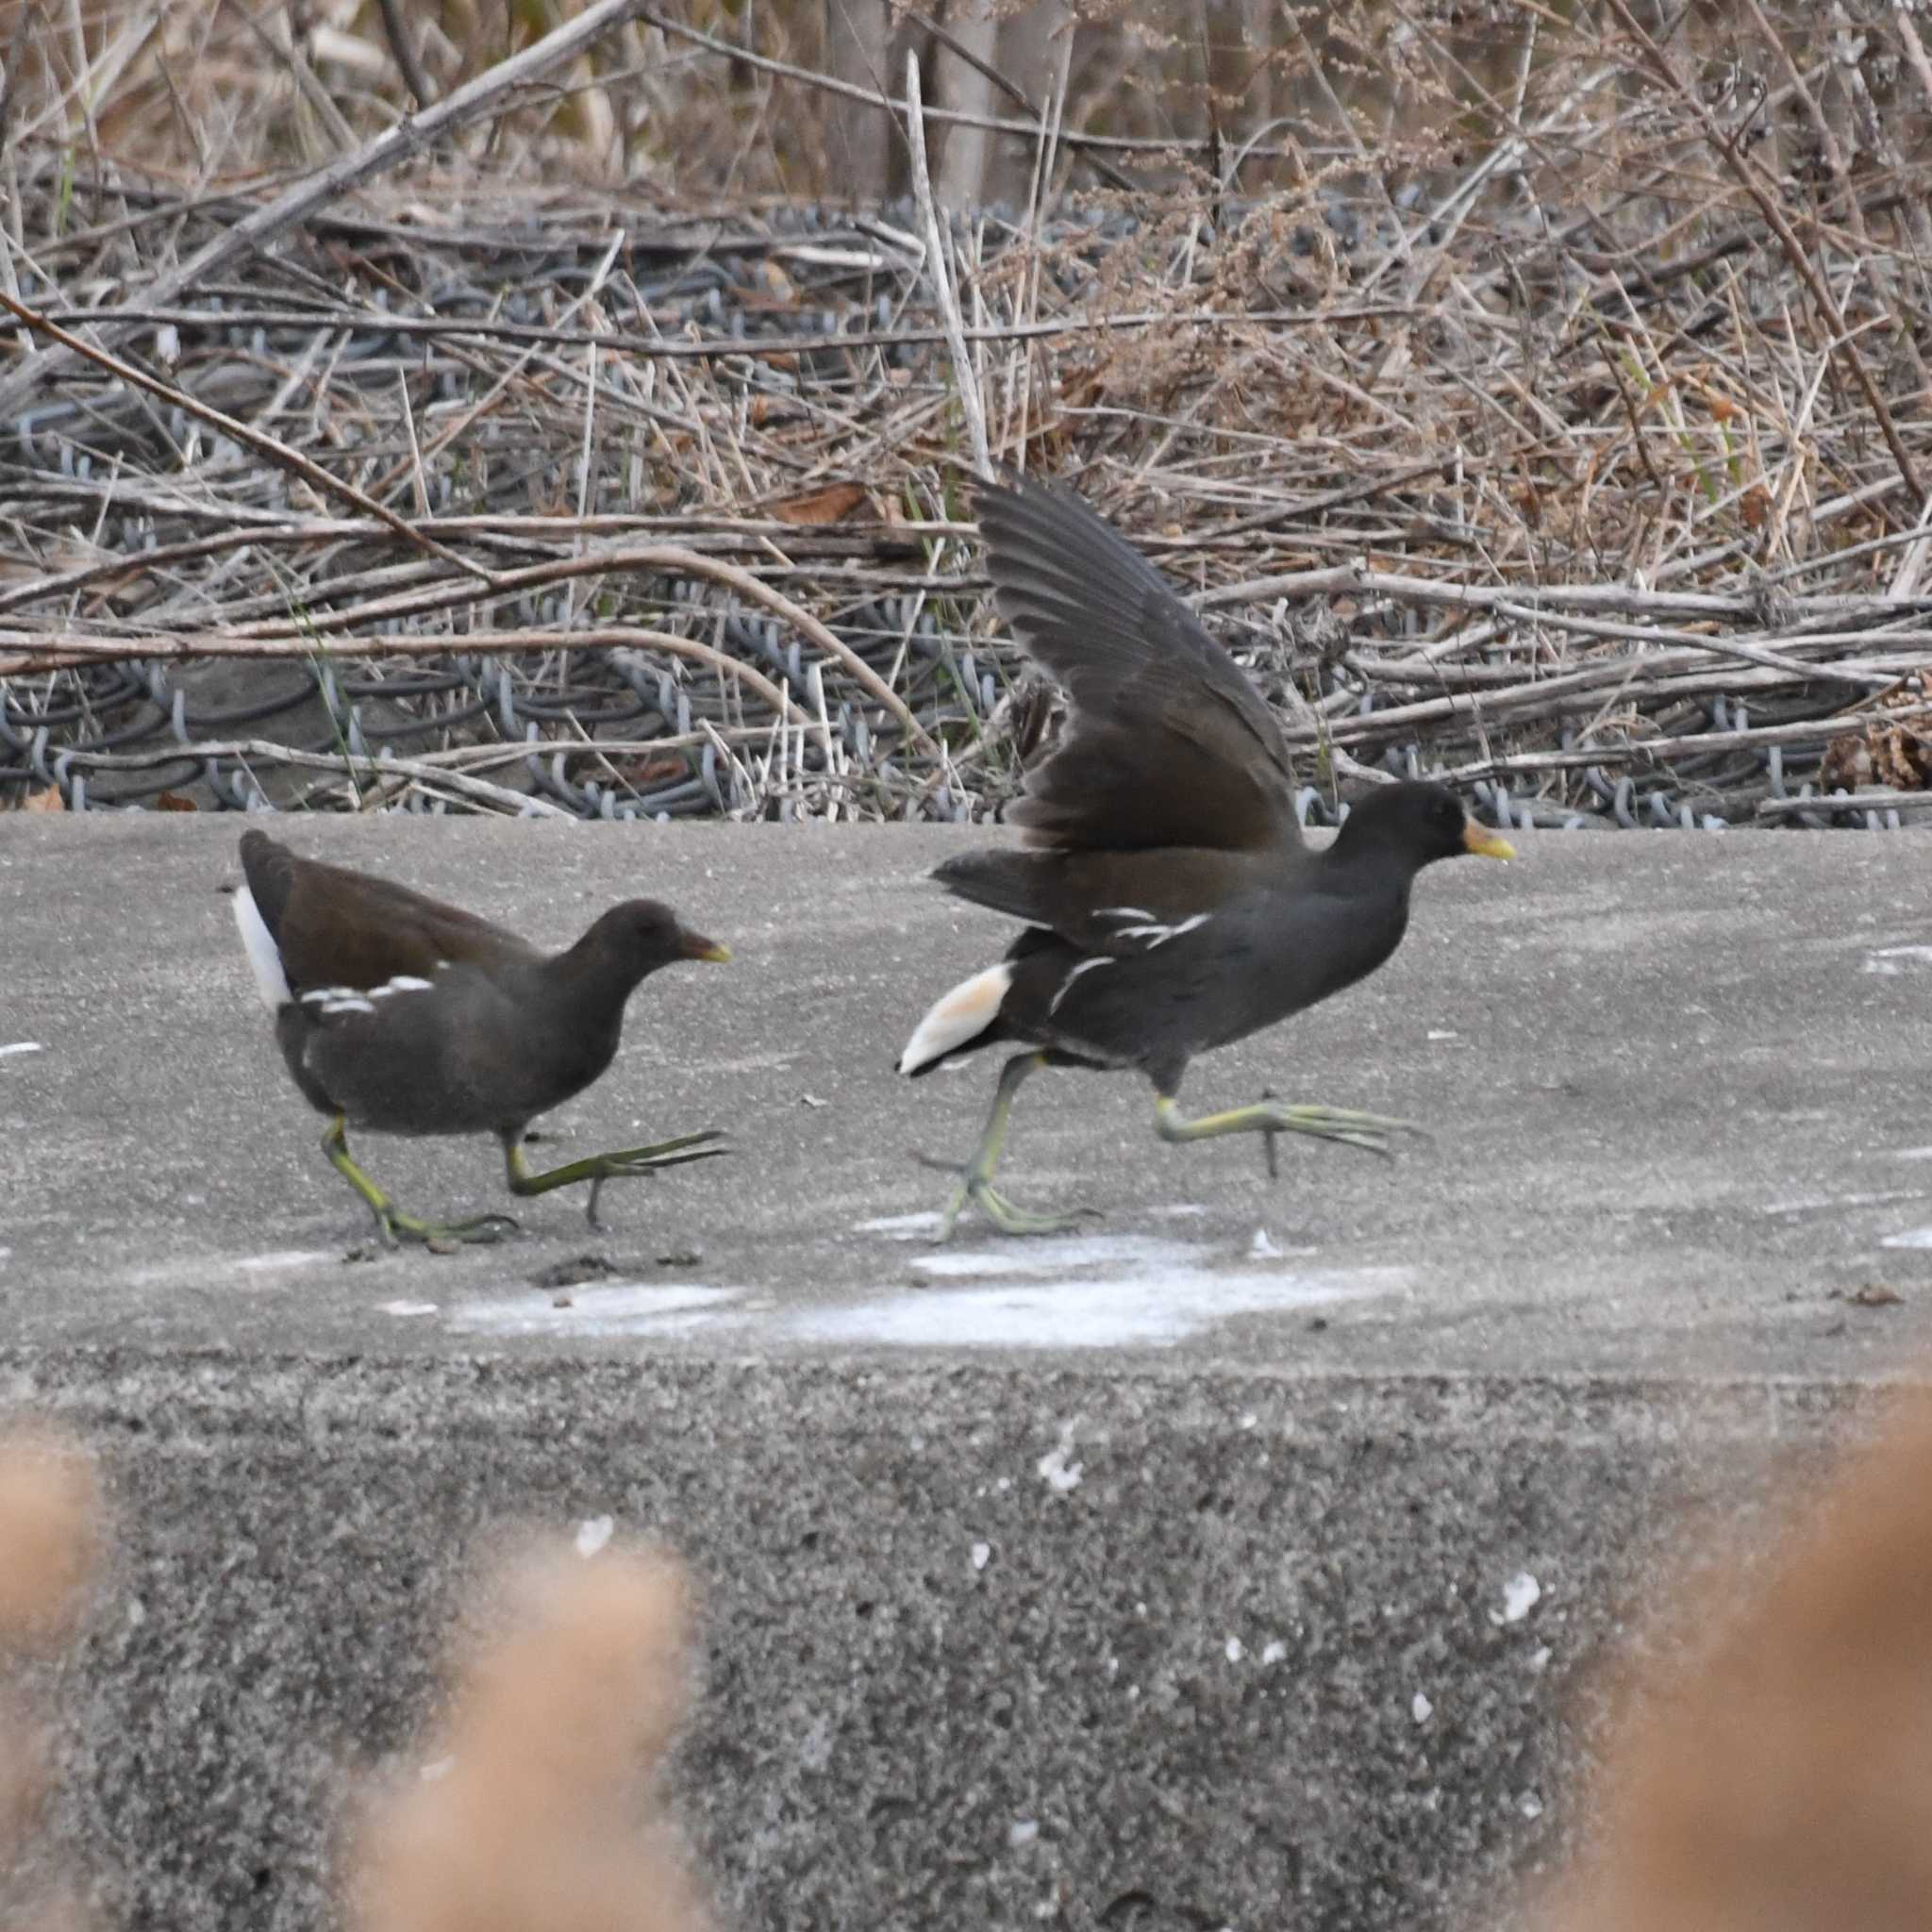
[
  {"x": 529, "y": 1818},
  {"x": 1549, "y": 398},
  {"x": 51, "y": 1528},
  {"x": 1780, "y": 1773}
]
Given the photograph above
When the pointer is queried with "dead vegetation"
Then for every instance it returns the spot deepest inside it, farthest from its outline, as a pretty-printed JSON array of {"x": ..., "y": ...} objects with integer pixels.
[
  {"x": 527, "y": 1815},
  {"x": 1540, "y": 403},
  {"x": 1777, "y": 1771},
  {"x": 51, "y": 1526},
  {"x": 533, "y": 1806}
]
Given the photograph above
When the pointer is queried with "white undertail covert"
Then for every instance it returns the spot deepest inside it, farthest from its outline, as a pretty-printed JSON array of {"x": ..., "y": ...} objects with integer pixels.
[
  {"x": 956, "y": 1017},
  {"x": 264, "y": 957}
]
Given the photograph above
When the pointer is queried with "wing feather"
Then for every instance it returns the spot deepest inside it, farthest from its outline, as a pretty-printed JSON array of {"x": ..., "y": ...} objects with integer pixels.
[
  {"x": 333, "y": 926},
  {"x": 1114, "y": 903},
  {"x": 1167, "y": 742}
]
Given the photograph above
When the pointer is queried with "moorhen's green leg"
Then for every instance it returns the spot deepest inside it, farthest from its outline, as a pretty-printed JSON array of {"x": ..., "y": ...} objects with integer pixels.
[
  {"x": 975, "y": 1182},
  {"x": 599, "y": 1168},
  {"x": 1370, "y": 1131},
  {"x": 391, "y": 1223}
]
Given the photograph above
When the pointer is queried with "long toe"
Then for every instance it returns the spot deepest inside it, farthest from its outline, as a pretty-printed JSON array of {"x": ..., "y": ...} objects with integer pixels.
[
  {"x": 678, "y": 1152},
  {"x": 1002, "y": 1213},
  {"x": 479, "y": 1232},
  {"x": 1371, "y": 1123},
  {"x": 1011, "y": 1220},
  {"x": 1372, "y": 1132}
]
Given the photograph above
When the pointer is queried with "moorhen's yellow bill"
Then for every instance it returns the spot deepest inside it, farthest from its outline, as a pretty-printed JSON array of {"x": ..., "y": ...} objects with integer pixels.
[
  {"x": 1171, "y": 905},
  {"x": 402, "y": 1015}
]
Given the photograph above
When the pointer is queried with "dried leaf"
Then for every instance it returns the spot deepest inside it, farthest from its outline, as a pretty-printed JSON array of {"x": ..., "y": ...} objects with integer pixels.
[
  {"x": 654, "y": 768},
  {"x": 830, "y": 505},
  {"x": 49, "y": 800},
  {"x": 172, "y": 801},
  {"x": 1875, "y": 1294}
]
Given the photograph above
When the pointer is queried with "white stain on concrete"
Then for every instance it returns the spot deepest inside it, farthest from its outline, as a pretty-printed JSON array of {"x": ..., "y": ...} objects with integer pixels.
[
  {"x": 1419, "y": 1709},
  {"x": 21, "y": 1047},
  {"x": 1149, "y": 1304},
  {"x": 1912, "y": 1153},
  {"x": 982, "y": 1555},
  {"x": 1815, "y": 1204},
  {"x": 594, "y": 1532},
  {"x": 1056, "y": 1469},
  {"x": 902, "y": 1227},
  {"x": 255, "y": 1269},
  {"x": 1910, "y": 1237},
  {"x": 1889, "y": 961},
  {"x": 610, "y": 1309},
  {"x": 407, "y": 1309},
  {"x": 1064, "y": 1254},
  {"x": 1521, "y": 1595}
]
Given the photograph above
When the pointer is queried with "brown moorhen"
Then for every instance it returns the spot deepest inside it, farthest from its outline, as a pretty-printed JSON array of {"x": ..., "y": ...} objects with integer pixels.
[{"x": 402, "y": 1015}]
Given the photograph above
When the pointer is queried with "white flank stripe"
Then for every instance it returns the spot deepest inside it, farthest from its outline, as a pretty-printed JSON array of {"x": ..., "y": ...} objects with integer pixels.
[
  {"x": 1123, "y": 912},
  {"x": 956, "y": 1017},
  {"x": 403, "y": 982},
  {"x": 349, "y": 1006},
  {"x": 1158, "y": 935},
  {"x": 1067, "y": 984},
  {"x": 264, "y": 957}
]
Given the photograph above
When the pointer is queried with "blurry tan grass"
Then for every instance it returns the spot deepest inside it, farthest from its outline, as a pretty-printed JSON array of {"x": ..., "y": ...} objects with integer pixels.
[
  {"x": 50, "y": 1535},
  {"x": 50, "y": 1543},
  {"x": 1779, "y": 1779},
  {"x": 560, "y": 1716},
  {"x": 212, "y": 90},
  {"x": 560, "y": 1713}
]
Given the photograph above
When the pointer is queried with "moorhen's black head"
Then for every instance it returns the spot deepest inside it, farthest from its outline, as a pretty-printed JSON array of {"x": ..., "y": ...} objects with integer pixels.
[
  {"x": 1419, "y": 823},
  {"x": 635, "y": 938}
]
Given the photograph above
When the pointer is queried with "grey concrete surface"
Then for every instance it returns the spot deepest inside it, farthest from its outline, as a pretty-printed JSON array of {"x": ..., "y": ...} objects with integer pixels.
[{"x": 1091, "y": 1581}]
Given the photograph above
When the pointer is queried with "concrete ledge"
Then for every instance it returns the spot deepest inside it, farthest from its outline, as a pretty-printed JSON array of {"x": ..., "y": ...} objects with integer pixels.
[
  {"x": 1092, "y": 1582},
  {"x": 980, "y": 1646}
]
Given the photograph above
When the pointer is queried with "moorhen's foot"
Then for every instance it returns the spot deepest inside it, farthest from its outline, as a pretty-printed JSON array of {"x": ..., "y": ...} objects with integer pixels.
[
  {"x": 622, "y": 1163},
  {"x": 396, "y": 1227},
  {"x": 1002, "y": 1213},
  {"x": 1372, "y": 1132}
]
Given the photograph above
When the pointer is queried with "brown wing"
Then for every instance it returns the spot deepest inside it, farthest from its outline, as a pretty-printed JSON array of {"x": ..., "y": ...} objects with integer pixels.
[
  {"x": 1166, "y": 742},
  {"x": 1113, "y": 903},
  {"x": 333, "y": 926}
]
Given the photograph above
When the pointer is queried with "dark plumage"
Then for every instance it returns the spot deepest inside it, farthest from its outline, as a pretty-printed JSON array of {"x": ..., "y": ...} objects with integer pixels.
[
  {"x": 402, "y": 1015},
  {"x": 1171, "y": 904}
]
